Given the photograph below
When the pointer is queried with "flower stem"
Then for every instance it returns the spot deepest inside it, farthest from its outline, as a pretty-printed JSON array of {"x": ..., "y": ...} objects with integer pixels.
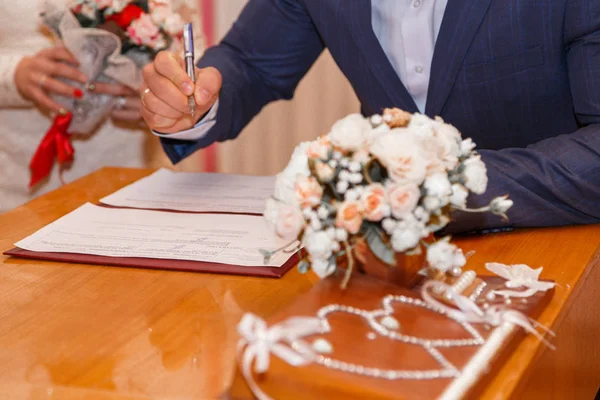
[
  {"x": 350, "y": 265},
  {"x": 473, "y": 210}
]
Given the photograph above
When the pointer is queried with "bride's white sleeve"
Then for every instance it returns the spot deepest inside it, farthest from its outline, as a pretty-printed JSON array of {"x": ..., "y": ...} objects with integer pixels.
[{"x": 9, "y": 94}]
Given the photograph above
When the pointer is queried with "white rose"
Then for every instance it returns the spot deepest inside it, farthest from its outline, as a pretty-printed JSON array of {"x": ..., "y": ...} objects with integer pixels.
[
  {"x": 285, "y": 181},
  {"x": 406, "y": 235},
  {"x": 377, "y": 132},
  {"x": 432, "y": 203},
  {"x": 475, "y": 175},
  {"x": 438, "y": 185},
  {"x": 449, "y": 139},
  {"x": 466, "y": 147},
  {"x": 401, "y": 153},
  {"x": 286, "y": 220},
  {"x": 459, "y": 195},
  {"x": 318, "y": 244},
  {"x": 403, "y": 199},
  {"x": 324, "y": 172},
  {"x": 322, "y": 267},
  {"x": 444, "y": 256},
  {"x": 350, "y": 133},
  {"x": 388, "y": 225}
]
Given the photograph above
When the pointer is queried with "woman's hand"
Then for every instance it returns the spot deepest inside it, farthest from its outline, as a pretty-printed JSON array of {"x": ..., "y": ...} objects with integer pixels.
[
  {"x": 128, "y": 103},
  {"x": 35, "y": 77}
]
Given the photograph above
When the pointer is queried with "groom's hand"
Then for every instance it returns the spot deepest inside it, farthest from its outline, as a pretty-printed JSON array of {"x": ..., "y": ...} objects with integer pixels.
[{"x": 165, "y": 92}]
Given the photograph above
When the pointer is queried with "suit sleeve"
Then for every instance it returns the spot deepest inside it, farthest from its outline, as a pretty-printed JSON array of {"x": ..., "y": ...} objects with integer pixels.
[
  {"x": 556, "y": 181},
  {"x": 262, "y": 58}
]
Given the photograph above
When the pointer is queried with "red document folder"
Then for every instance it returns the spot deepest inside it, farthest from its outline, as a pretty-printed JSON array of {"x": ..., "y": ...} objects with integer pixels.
[{"x": 155, "y": 263}]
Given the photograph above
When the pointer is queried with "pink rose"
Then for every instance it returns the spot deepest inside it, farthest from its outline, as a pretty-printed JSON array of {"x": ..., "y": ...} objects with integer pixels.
[
  {"x": 373, "y": 202},
  {"x": 349, "y": 216},
  {"x": 308, "y": 191},
  {"x": 160, "y": 12},
  {"x": 286, "y": 220},
  {"x": 143, "y": 31},
  {"x": 324, "y": 172},
  {"x": 319, "y": 148},
  {"x": 403, "y": 199}
]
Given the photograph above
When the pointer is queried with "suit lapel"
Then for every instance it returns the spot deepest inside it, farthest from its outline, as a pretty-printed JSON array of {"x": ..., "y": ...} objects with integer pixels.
[
  {"x": 459, "y": 26},
  {"x": 359, "y": 18}
]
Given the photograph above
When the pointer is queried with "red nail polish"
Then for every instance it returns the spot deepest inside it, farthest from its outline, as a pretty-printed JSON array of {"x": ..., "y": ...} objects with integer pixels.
[{"x": 78, "y": 93}]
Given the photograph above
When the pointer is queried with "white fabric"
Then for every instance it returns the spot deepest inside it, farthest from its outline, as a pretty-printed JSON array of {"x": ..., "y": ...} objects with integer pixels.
[
  {"x": 407, "y": 31},
  {"x": 22, "y": 126}
]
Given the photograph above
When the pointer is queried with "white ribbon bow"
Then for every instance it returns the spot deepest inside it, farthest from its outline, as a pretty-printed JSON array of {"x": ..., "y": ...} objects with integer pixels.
[
  {"x": 470, "y": 312},
  {"x": 259, "y": 341}
]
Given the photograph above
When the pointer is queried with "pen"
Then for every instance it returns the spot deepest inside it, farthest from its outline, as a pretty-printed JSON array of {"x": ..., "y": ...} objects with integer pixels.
[{"x": 188, "y": 54}]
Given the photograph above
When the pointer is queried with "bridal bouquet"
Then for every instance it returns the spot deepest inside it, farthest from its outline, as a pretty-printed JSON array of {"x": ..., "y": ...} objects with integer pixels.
[
  {"x": 389, "y": 181},
  {"x": 112, "y": 40}
]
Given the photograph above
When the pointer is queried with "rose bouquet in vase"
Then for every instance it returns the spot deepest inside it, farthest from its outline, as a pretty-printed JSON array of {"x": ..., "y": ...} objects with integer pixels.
[
  {"x": 375, "y": 190},
  {"x": 112, "y": 40}
]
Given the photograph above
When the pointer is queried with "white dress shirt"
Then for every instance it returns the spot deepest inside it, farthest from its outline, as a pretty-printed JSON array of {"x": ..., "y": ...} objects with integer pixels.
[{"x": 406, "y": 30}]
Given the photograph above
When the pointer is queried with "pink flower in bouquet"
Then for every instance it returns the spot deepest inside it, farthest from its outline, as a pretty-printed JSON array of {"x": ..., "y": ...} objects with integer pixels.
[
  {"x": 324, "y": 172},
  {"x": 308, "y": 191},
  {"x": 143, "y": 31},
  {"x": 102, "y": 4},
  {"x": 319, "y": 148},
  {"x": 403, "y": 199},
  {"x": 373, "y": 202},
  {"x": 287, "y": 220},
  {"x": 349, "y": 217},
  {"x": 402, "y": 155}
]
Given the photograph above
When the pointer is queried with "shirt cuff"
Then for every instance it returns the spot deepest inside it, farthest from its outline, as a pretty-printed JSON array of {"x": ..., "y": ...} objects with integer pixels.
[{"x": 198, "y": 131}]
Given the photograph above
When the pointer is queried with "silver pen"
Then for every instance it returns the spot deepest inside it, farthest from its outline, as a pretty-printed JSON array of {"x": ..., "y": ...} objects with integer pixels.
[{"x": 188, "y": 55}]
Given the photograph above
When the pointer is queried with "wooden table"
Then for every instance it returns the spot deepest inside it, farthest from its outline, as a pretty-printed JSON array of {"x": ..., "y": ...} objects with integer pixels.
[{"x": 70, "y": 331}]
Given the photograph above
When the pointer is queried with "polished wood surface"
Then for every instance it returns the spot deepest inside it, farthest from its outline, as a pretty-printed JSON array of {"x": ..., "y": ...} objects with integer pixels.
[{"x": 70, "y": 331}]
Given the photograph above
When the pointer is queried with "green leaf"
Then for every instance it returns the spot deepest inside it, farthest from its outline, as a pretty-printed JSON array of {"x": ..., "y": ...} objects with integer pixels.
[{"x": 379, "y": 248}]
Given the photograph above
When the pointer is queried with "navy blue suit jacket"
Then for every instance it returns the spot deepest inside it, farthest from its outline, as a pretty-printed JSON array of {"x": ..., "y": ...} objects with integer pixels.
[{"x": 520, "y": 77}]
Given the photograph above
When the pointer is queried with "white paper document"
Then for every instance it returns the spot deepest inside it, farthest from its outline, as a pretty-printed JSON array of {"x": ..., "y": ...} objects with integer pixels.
[
  {"x": 222, "y": 238},
  {"x": 196, "y": 192}
]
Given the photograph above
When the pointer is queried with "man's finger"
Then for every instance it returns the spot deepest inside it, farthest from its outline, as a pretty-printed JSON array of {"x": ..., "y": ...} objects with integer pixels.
[
  {"x": 208, "y": 85},
  {"x": 170, "y": 66},
  {"x": 157, "y": 106},
  {"x": 165, "y": 90},
  {"x": 126, "y": 115}
]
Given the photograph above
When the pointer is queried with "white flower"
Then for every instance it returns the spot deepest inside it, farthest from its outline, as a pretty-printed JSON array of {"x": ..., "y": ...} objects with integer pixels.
[
  {"x": 419, "y": 120},
  {"x": 438, "y": 185},
  {"x": 432, "y": 203},
  {"x": 459, "y": 196},
  {"x": 355, "y": 178},
  {"x": 286, "y": 220},
  {"x": 402, "y": 155},
  {"x": 308, "y": 191},
  {"x": 322, "y": 213},
  {"x": 318, "y": 244},
  {"x": 322, "y": 267},
  {"x": 319, "y": 148},
  {"x": 421, "y": 214},
  {"x": 406, "y": 235},
  {"x": 361, "y": 156},
  {"x": 332, "y": 163},
  {"x": 376, "y": 119},
  {"x": 499, "y": 206},
  {"x": 350, "y": 133},
  {"x": 284, "y": 183},
  {"x": 377, "y": 132},
  {"x": 351, "y": 195},
  {"x": 519, "y": 276},
  {"x": 173, "y": 24},
  {"x": 341, "y": 186},
  {"x": 466, "y": 147},
  {"x": 354, "y": 166},
  {"x": 438, "y": 223},
  {"x": 341, "y": 235},
  {"x": 403, "y": 199},
  {"x": 475, "y": 175},
  {"x": 444, "y": 256},
  {"x": 388, "y": 225},
  {"x": 344, "y": 175}
]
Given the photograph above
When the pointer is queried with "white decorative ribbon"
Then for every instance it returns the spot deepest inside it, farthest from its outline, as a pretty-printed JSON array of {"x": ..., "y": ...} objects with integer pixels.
[
  {"x": 470, "y": 312},
  {"x": 259, "y": 341}
]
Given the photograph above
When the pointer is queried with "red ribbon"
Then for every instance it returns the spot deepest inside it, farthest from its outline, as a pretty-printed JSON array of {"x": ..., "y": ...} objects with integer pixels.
[{"x": 56, "y": 144}]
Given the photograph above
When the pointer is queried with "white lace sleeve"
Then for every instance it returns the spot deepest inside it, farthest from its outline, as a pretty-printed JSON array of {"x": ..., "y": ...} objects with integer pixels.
[{"x": 9, "y": 94}]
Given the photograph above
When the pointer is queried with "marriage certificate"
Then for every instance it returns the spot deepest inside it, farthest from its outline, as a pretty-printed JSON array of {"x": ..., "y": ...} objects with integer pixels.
[
  {"x": 222, "y": 238},
  {"x": 196, "y": 192}
]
